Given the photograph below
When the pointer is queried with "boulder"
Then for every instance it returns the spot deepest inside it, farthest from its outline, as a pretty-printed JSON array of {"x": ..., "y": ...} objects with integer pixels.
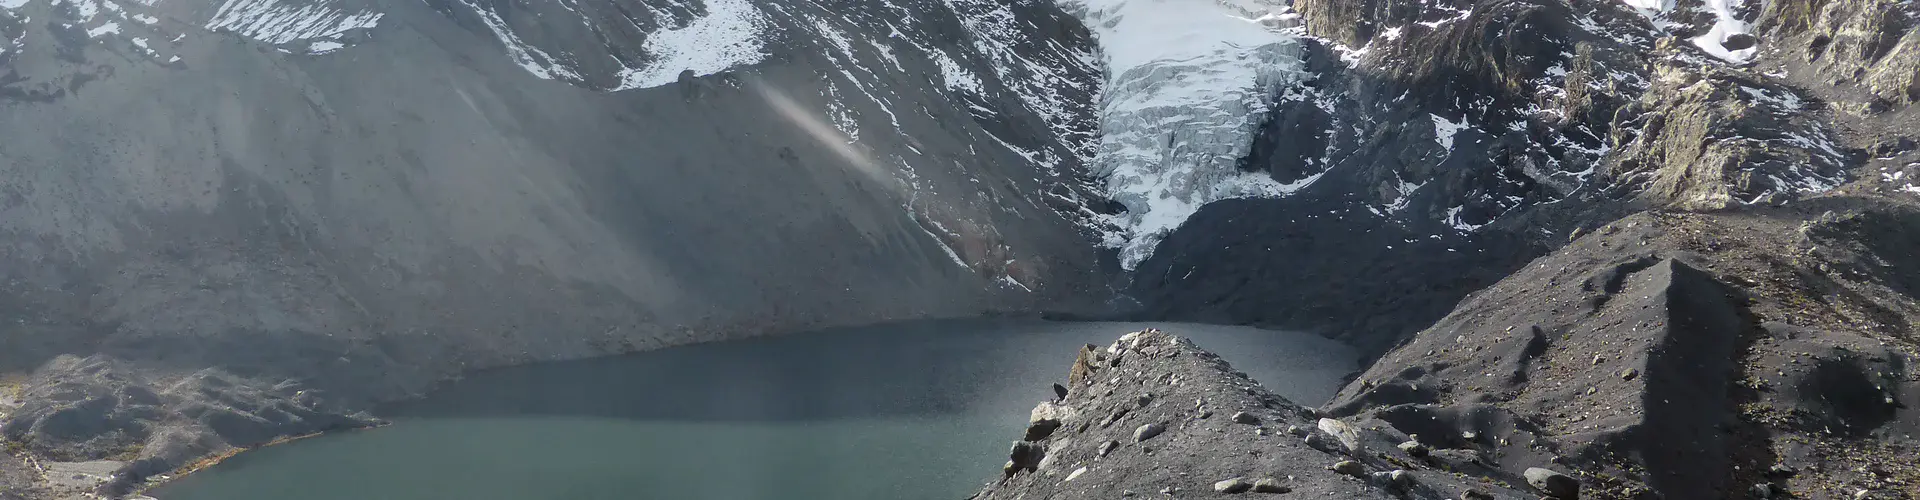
[
  {"x": 1148, "y": 431},
  {"x": 1553, "y": 483},
  {"x": 1235, "y": 485}
]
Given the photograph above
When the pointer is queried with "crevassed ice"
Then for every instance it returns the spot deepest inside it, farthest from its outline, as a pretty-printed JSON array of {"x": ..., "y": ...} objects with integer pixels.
[
  {"x": 1188, "y": 83},
  {"x": 728, "y": 36}
]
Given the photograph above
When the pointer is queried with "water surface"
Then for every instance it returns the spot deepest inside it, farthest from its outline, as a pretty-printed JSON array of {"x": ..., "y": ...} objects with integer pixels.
[{"x": 921, "y": 410}]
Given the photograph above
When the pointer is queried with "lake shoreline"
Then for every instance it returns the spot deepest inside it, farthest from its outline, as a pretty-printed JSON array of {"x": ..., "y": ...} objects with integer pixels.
[{"x": 943, "y": 370}]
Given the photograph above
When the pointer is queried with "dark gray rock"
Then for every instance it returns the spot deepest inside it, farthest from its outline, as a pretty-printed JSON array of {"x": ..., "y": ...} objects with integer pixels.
[
  {"x": 1394, "y": 478},
  {"x": 1553, "y": 483},
  {"x": 1025, "y": 456},
  {"x": 1039, "y": 430},
  {"x": 1270, "y": 485}
]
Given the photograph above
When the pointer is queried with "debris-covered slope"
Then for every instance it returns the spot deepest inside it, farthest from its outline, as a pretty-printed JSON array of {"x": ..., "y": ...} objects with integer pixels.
[
  {"x": 1153, "y": 416},
  {"x": 1689, "y": 355}
]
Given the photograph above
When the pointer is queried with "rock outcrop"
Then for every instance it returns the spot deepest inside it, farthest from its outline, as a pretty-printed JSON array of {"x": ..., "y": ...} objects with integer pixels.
[
  {"x": 1872, "y": 44},
  {"x": 100, "y": 409}
]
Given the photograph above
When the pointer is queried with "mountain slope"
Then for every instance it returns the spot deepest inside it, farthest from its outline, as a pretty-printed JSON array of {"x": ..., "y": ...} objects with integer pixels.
[
  {"x": 1475, "y": 136},
  {"x": 331, "y": 203}
]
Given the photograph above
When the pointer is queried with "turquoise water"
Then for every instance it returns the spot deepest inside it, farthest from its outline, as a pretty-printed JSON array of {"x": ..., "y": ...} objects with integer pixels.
[{"x": 911, "y": 411}]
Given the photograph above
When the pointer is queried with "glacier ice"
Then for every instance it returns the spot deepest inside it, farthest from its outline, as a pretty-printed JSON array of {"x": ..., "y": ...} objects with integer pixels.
[{"x": 1187, "y": 84}]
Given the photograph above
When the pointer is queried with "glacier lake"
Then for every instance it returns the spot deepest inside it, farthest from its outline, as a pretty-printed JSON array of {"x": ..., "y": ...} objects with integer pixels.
[{"x": 918, "y": 410}]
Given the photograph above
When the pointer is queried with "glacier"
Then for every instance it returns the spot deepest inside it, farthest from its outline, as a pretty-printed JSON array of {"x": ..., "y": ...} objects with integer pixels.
[{"x": 1187, "y": 84}]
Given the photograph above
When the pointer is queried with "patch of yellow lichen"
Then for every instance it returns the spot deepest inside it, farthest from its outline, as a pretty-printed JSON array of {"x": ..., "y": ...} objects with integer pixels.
[{"x": 10, "y": 389}]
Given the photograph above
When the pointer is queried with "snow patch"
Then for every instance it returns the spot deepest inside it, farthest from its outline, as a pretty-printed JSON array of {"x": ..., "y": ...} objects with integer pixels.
[
  {"x": 104, "y": 30},
  {"x": 1650, "y": 5},
  {"x": 13, "y": 4},
  {"x": 1009, "y": 281},
  {"x": 1724, "y": 26},
  {"x": 1453, "y": 219},
  {"x": 277, "y": 23},
  {"x": 1444, "y": 130},
  {"x": 729, "y": 36},
  {"x": 325, "y": 46},
  {"x": 953, "y": 74},
  {"x": 1787, "y": 102},
  {"x": 1405, "y": 195},
  {"x": 1188, "y": 82}
]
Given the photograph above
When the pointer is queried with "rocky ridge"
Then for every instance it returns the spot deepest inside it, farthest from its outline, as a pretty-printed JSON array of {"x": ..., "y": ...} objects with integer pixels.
[{"x": 1158, "y": 417}]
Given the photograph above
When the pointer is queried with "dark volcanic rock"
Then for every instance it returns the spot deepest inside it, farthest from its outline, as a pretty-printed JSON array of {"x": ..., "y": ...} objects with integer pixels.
[{"x": 1553, "y": 483}]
